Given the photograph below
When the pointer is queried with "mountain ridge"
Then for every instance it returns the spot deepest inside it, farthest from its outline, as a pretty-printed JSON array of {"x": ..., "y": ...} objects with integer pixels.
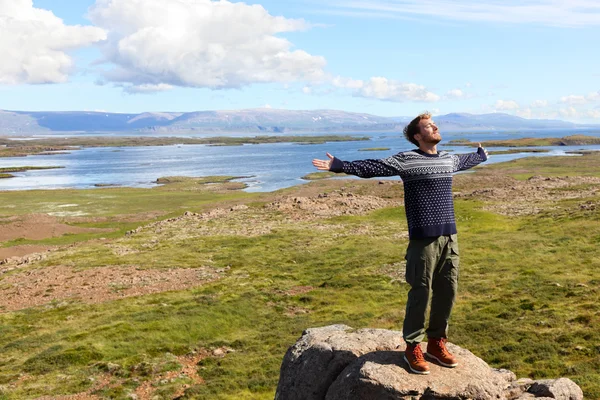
[{"x": 257, "y": 120}]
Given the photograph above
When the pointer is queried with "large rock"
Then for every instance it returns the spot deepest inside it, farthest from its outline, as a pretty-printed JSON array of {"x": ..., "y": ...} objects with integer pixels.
[{"x": 339, "y": 363}]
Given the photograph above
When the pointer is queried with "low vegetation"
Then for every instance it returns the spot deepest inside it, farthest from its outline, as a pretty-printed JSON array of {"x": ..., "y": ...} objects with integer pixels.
[
  {"x": 573, "y": 140},
  {"x": 516, "y": 151},
  {"x": 306, "y": 256},
  {"x": 374, "y": 149},
  {"x": 7, "y": 172}
]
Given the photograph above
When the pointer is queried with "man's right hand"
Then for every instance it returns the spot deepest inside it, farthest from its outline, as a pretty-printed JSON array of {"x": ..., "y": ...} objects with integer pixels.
[{"x": 324, "y": 165}]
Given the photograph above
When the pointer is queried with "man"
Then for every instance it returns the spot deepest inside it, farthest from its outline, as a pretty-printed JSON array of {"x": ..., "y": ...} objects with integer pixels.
[{"x": 432, "y": 254}]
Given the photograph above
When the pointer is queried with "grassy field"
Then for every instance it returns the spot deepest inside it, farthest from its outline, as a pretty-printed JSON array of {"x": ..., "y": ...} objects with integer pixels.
[{"x": 528, "y": 299}]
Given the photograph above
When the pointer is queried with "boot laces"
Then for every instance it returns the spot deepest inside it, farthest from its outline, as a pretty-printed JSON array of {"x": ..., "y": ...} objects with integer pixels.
[
  {"x": 441, "y": 344},
  {"x": 417, "y": 353}
]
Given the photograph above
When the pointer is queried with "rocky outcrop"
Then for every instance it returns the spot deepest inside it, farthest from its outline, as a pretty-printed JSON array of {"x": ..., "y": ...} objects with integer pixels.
[{"x": 339, "y": 363}]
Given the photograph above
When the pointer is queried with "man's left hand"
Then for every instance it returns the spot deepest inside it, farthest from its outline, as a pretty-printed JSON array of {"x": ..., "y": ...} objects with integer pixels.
[{"x": 484, "y": 150}]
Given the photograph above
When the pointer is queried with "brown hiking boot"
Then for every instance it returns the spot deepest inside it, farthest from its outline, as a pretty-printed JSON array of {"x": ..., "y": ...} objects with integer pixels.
[
  {"x": 436, "y": 349},
  {"x": 413, "y": 355}
]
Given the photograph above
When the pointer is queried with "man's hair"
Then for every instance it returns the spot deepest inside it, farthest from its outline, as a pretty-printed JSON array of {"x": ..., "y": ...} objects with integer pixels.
[{"x": 412, "y": 129}]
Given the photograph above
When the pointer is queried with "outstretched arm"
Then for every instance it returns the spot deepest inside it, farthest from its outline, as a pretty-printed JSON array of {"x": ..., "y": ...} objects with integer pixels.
[
  {"x": 469, "y": 160},
  {"x": 363, "y": 168}
]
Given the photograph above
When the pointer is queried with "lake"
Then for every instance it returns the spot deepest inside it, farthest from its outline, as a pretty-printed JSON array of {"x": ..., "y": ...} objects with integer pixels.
[{"x": 267, "y": 166}]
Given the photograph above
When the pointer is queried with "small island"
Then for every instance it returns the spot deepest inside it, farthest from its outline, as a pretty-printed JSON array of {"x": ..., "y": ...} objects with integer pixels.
[
  {"x": 375, "y": 149},
  {"x": 7, "y": 172},
  {"x": 315, "y": 176}
]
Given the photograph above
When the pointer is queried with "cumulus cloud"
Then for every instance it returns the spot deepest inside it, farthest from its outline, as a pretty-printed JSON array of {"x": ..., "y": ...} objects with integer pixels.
[
  {"x": 347, "y": 83},
  {"x": 506, "y": 105},
  {"x": 148, "y": 88},
  {"x": 575, "y": 113},
  {"x": 200, "y": 43},
  {"x": 34, "y": 43},
  {"x": 595, "y": 114},
  {"x": 573, "y": 99},
  {"x": 382, "y": 88},
  {"x": 539, "y": 104},
  {"x": 455, "y": 94},
  {"x": 569, "y": 112},
  {"x": 593, "y": 96}
]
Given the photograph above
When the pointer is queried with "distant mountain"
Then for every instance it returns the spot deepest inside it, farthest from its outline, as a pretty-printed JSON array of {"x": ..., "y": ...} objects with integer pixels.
[
  {"x": 495, "y": 121},
  {"x": 252, "y": 121}
]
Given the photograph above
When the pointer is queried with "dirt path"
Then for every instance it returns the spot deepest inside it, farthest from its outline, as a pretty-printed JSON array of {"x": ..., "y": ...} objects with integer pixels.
[
  {"x": 37, "y": 227},
  {"x": 22, "y": 251},
  {"x": 36, "y": 287}
]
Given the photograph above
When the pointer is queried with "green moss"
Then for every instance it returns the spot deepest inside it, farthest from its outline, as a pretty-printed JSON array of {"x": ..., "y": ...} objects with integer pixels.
[{"x": 56, "y": 358}]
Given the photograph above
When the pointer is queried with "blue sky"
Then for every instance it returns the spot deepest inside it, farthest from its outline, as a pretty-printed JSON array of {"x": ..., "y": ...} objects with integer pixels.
[{"x": 535, "y": 59}]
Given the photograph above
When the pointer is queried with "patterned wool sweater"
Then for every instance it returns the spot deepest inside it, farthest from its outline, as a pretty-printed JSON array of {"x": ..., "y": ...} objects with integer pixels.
[{"x": 427, "y": 182}]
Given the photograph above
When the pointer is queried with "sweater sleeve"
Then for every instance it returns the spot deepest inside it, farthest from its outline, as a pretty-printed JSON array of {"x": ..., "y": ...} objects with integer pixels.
[
  {"x": 369, "y": 168},
  {"x": 469, "y": 160}
]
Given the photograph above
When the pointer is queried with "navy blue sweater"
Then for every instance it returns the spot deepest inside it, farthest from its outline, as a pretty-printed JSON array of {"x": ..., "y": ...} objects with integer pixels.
[{"x": 427, "y": 182}]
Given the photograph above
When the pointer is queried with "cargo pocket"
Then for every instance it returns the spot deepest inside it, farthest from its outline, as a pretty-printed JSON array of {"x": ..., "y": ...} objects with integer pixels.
[
  {"x": 409, "y": 270},
  {"x": 453, "y": 245},
  {"x": 454, "y": 256}
]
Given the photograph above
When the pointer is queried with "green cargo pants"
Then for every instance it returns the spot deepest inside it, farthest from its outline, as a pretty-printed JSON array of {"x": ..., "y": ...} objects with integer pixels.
[{"x": 431, "y": 269}]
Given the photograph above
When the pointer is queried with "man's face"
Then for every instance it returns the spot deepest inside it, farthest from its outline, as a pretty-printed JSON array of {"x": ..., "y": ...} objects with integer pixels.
[{"x": 428, "y": 132}]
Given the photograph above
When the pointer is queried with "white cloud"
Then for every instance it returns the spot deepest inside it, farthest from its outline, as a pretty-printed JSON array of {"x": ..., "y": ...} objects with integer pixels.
[
  {"x": 148, "y": 88},
  {"x": 200, "y": 43},
  {"x": 569, "y": 112},
  {"x": 578, "y": 114},
  {"x": 505, "y": 105},
  {"x": 579, "y": 99},
  {"x": 530, "y": 112},
  {"x": 34, "y": 43},
  {"x": 539, "y": 104},
  {"x": 306, "y": 90},
  {"x": 573, "y": 99},
  {"x": 384, "y": 89},
  {"x": 381, "y": 88},
  {"x": 347, "y": 83},
  {"x": 455, "y": 94},
  {"x": 593, "y": 96},
  {"x": 543, "y": 12},
  {"x": 595, "y": 114},
  {"x": 525, "y": 113}
]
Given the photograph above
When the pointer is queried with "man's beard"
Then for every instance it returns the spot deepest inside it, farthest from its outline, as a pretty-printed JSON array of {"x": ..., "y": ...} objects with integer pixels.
[{"x": 433, "y": 140}]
